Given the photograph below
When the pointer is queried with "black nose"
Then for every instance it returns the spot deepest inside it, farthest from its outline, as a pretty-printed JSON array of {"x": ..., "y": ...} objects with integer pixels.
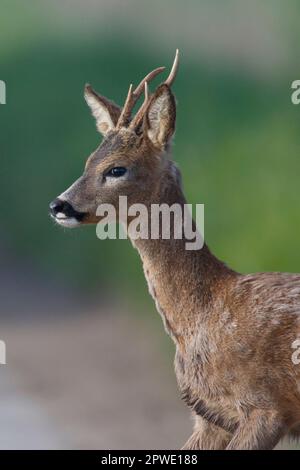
[
  {"x": 57, "y": 206},
  {"x": 64, "y": 207}
]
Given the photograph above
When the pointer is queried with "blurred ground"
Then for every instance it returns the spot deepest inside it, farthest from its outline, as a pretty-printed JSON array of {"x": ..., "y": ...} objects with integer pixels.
[
  {"x": 89, "y": 382},
  {"x": 24, "y": 423},
  {"x": 83, "y": 374}
]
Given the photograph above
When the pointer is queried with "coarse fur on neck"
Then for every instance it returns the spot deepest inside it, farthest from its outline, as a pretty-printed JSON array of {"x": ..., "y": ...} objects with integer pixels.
[{"x": 167, "y": 262}]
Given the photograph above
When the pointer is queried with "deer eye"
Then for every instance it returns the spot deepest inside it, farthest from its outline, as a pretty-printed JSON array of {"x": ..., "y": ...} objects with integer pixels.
[{"x": 116, "y": 172}]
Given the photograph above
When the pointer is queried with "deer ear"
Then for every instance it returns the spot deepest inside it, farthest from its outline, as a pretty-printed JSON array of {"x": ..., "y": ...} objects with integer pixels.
[
  {"x": 161, "y": 117},
  {"x": 104, "y": 111}
]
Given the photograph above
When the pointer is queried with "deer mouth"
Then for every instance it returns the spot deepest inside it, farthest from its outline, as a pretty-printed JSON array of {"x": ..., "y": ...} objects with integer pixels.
[
  {"x": 66, "y": 221},
  {"x": 64, "y": 214}
]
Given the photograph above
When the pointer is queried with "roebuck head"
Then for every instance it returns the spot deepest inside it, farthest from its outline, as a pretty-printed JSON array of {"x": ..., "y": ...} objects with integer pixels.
[{"x": 132, "y": 156}]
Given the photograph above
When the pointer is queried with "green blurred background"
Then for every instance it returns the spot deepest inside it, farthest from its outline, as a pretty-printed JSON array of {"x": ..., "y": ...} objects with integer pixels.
[{"x": 237, "y": 145}]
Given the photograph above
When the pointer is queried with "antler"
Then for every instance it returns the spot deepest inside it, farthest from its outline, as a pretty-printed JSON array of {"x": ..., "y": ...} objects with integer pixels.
[
  {"x": 174, "y": 69},
  {"x": 133, "y": 96},
  {"x": 140, "y": 114}
]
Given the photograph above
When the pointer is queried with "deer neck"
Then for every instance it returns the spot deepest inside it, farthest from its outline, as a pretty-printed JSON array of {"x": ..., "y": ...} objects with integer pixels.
[{"x": 182, "y": 282}]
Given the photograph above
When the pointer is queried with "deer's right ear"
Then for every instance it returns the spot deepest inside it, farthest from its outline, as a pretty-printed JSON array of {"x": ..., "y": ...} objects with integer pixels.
[
  {"x": 104, "y": 111},
  {"x": 161, "y": 116}
]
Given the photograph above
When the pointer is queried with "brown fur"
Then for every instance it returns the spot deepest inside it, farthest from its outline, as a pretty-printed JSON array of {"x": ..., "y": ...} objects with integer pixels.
[{"x": 233, "y": 333}]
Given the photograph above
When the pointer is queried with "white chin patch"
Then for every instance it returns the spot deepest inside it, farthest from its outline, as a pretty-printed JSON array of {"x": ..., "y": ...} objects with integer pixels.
[
  {"x": 61, "y": 215},
  {"x": 69, "y": 222}
]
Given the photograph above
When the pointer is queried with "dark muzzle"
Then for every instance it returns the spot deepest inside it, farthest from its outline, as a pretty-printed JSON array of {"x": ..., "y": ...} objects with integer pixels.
[{"x": 59, "y": 206}]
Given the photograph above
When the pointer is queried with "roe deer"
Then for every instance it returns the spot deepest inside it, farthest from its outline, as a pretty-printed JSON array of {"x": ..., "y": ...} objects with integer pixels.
[{"x": 233, "y": 333}]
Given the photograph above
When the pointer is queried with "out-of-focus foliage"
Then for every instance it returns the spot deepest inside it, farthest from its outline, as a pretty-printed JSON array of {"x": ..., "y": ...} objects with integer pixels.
[{"x": 237, "y": 143}]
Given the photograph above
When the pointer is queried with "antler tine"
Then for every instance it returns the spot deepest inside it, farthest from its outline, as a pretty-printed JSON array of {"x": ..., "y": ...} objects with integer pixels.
[
  {"x": 174, "y": 69},
  {"x": 126, "y": 108},
  {"x": 140, "y": 88},
  {"x": 140, "y": 114},
  {"x": 133, "y": 96}
]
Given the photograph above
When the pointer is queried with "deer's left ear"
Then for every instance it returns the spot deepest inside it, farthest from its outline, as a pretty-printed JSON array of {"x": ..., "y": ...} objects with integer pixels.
[
  {"x": 104, "y": 111},
  {"x": 161, "y": 117}
]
